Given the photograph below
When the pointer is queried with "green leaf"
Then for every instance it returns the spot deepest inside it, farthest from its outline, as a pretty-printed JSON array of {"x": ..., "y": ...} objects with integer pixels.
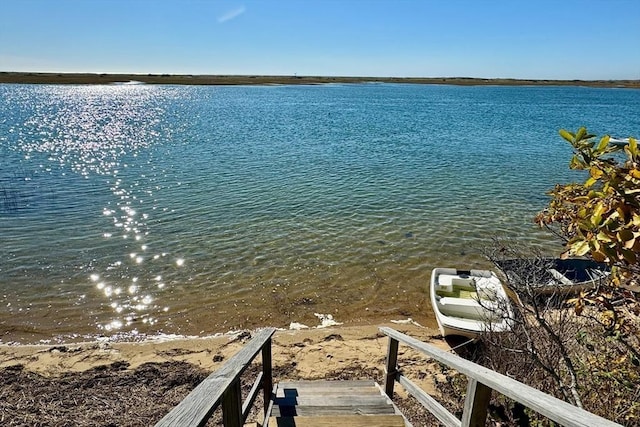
[
  {"x": 603, "y": 237},
  {"x": 576, "y": 163},
  {"x": 603, "y": 143},
  {"x": 633, "y": 147},
  {"x": 581, "y": 133},
  {"x": 580, "y": 248},
  {"x": 595, "y": 172},
  {"x": 568, "y": 136},
  {"x": 596, "y": 217}
]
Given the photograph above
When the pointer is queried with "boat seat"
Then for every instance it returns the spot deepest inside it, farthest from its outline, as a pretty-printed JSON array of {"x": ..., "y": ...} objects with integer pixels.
[
  {"x": 446, "y": 283},
  {"x": 467, "y": 308}
]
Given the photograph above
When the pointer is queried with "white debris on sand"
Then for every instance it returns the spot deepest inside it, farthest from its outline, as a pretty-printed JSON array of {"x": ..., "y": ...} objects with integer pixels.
[
  {"x": 409, "y": 321},
  {"x": 326, "y": 320},
  {"x": 295, "y": 326}
]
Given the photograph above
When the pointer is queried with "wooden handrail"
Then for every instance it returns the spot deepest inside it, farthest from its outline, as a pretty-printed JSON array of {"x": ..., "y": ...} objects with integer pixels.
[
  {"x": 481, "y": 382},
  {"x": 223, "y": 386}
]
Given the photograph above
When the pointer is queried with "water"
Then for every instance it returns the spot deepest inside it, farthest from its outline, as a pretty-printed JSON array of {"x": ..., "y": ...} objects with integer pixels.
[{"x": 143, "y": 209}]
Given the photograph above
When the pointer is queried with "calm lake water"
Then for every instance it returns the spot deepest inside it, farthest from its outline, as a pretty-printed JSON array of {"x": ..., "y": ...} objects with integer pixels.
[{"x": 138, "y": 209}]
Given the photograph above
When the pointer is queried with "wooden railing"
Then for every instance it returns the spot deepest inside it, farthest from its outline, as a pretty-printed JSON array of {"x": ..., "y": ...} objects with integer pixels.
[
  {"x": 223, "y": 386},
  {"x": 481, "y": 383}
]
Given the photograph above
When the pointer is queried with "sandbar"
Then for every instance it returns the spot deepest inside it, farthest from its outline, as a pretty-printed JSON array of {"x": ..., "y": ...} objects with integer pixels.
[{"x": 188, "y": 79}]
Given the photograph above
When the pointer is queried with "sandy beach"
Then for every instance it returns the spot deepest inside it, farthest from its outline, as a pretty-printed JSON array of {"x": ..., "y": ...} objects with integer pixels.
[
  {"x": 315, "y": 351},
  {"x": 124, "y": 383}
]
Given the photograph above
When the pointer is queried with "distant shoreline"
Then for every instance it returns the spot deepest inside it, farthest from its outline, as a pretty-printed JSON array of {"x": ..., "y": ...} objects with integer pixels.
[{"x": 176, "y": 79}]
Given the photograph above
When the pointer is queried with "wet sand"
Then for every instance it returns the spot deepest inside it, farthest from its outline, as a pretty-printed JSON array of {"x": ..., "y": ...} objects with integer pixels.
[{"x": 175, "y": 79}]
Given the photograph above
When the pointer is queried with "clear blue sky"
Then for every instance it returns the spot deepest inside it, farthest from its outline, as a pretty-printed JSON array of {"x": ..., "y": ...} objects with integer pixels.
[{"x": 546, "y": 39}]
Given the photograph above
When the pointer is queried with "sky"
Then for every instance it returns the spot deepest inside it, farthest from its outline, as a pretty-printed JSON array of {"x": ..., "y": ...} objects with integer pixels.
[{"x": 545, "y": 39}]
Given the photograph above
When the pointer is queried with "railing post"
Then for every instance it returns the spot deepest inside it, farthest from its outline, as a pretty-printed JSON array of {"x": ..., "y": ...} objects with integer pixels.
[
  {"x": 392, "y": 361},
  {"x": 476, "y": 404},
  {"x": 232, "y": 406},
  {"x": 267, "y": 375}
]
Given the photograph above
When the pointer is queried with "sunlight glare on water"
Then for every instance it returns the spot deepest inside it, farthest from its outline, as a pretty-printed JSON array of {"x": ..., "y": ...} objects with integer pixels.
[{"x": 98, "y": 131}]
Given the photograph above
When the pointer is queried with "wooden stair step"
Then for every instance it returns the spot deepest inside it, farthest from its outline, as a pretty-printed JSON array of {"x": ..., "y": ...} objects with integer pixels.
[
  {"x": 328, "y": 388},
  {"x": 281, "y": 394},
  {"x": 323, "y": 400},
  {"x": 330, "y": 399},
  {"x": 336, "y": 385},
  {"x": 339, "y": 420},
  {"x": 314, "y": 391},
  {"x": 291, "y": 411}
]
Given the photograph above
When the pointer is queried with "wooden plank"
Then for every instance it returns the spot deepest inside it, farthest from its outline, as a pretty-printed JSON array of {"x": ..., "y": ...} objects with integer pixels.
[
  {"x": 198, "y": 406},
  {"x": 323, "y": 400},
  {"x": 339, "y": 420},
  {"x": 395, "y": 407},
  {"x": 432, "y": 405},
  {"x": 327, "y": 383},
  {"x": 391, "y": 366},
  {"x": 476, "y": 404},
  {"x": 267, "y": 415},
  {"x": 267, "y": 378},
  {"x": 290, "y": 411},
  {"x": 251, "y": 397},
  {"x": 232, "y": 406},
  {"x": 552, "y": 408},
  {"x": 326, "y": 392}
]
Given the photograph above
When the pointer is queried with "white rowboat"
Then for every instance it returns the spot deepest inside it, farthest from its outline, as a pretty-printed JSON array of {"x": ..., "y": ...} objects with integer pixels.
[{"x": 469, "y": 302}]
